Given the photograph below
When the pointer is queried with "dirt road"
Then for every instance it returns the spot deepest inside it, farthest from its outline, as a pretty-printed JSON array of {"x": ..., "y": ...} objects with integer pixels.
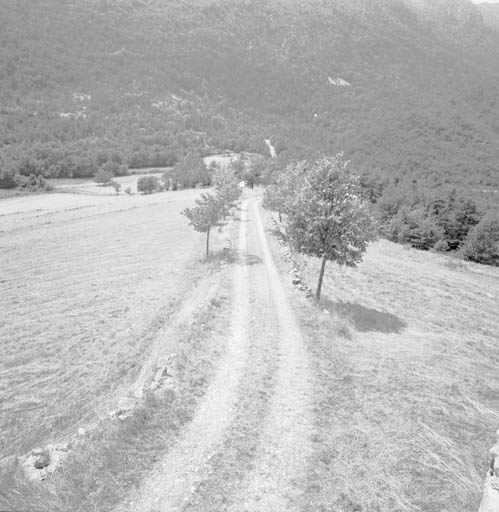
[{"x": 249, "y": 442}]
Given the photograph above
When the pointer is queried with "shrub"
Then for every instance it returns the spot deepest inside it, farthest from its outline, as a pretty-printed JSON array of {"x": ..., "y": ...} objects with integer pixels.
[
  {"x": 112, "y": 168},
  {"x": 7, "y": 180},
  {"x": 128, "y": 191},
  {"x": 190, "y": 172},
  {"x": 103, "y": 177},
  {"x": 116, "y": 186},
  {"x": 32, "y": 182},
  {"x": 482, "y": 243},
  {"x": 441, "y": 246},
  {"x": 148, "y": 184}
]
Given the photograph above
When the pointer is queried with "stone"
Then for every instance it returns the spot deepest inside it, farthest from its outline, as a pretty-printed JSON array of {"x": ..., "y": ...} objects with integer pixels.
[
  {"x": 37, "y": 451},
  {"x": 296, "y": 281},
  {"x": 81, "y": 432},
  {"x": 42, "y": 461}
]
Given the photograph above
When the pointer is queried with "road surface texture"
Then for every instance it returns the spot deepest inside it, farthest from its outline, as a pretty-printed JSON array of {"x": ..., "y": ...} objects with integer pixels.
[{"x": 250, "y": 439}]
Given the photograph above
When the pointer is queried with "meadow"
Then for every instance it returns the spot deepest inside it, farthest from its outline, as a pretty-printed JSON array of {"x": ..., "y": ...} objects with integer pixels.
[
  {"x": 85, "y": 282},
  {"x": 407, "y": 350}
]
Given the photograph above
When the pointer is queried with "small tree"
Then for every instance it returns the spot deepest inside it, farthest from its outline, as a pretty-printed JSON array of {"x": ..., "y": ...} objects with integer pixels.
[
  {"x": 205, "y": 215},
  {"x": 278, "y": 196},
  {"x": 116, "y": 186},
  {"x": 273, "y": 200},
  {"x": 326, "y": 217},
  {"x": 103, "y": 177},
  {"x": 227, "y": 188},
  {"x": 148, "y": 184}
]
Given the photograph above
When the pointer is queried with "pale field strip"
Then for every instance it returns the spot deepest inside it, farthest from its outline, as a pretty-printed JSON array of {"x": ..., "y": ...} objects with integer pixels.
[
  {"x": 38, "y": 210},
  {"x": 423, "y": 365},
  {"x": 78, "y": 298},
  {"x": 90, "y": 187}
]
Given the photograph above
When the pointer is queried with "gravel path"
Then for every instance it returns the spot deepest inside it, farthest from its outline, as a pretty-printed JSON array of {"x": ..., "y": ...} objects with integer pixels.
[{"x": 248, "y": 445}]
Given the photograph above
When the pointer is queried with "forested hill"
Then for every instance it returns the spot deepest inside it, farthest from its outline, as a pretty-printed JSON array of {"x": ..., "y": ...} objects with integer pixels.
[
  {"x": 404, "y": 87},
  {"x": 490, "y": 14}
]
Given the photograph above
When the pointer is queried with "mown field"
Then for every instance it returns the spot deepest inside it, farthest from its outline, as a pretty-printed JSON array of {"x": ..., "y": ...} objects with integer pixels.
[
  {"x": 84, "y": 283},
  {"x": 88, "y": 185},
  {"x": 409, "y": 404}
]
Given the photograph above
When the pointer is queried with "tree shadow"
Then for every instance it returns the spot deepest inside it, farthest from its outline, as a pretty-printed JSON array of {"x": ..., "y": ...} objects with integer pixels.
[
  {"x": 234, "y": 257},
  {"x": 365, "y": 319}
]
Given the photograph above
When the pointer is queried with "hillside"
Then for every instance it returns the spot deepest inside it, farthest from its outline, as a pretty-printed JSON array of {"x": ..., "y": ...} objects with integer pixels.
[
  {"x": 490, "y": 14},
  {"x": 404, "y": 87}
]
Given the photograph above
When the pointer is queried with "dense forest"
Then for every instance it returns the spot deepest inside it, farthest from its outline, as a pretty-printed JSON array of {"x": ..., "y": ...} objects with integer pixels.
[{"x": 148, "y": 82}]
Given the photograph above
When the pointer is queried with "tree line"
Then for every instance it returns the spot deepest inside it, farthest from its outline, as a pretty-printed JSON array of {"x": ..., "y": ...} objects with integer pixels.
[
  {"x": 212, "y": 208},
  {"x": 406, "y": 211}
]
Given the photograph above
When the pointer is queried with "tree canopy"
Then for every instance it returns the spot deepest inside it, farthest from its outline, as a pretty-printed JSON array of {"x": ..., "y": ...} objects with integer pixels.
[{"x": 205, "y": 215}]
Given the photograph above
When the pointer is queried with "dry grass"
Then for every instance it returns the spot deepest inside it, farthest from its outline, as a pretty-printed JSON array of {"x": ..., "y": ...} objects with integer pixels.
[
  {"x": 80, "y": 300},
  {"x": 114, "y": 457},
  {"x": 88, "y": 186},
  {"x": 409, "y": 399},
  {"x": 84, "y": 308}
]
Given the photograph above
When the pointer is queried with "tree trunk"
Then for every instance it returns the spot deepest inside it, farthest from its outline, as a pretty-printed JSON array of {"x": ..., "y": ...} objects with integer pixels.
[
  {"x": 280, "y": 217},
  {"x": 207, "y": 243},
  {"x": 321, "y": 277}
]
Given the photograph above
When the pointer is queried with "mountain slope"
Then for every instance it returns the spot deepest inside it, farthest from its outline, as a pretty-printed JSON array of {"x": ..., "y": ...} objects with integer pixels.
[
  {"x": 387, "y": 81},
  {"x": 490, "y": 14}
]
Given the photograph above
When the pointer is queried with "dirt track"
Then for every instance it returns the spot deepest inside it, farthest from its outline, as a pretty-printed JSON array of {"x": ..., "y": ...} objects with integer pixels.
[{"x": 248, "y": 443}]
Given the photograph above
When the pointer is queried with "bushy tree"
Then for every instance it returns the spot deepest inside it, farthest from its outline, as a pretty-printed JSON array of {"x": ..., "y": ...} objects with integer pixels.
[
  {"x": 205, "y": 215},
  {"x": 112, "y": 167},
  {"x": 227, "y": 188},
  {"x": 103, "y": 177},
  {"x": 412, "y": 225},
  {"x": 190, "y": 172},
  {"x": 148, "y": 184},
  {"x": 326, "y": 217},
  {"x": 116, "y": 186},
  {"x": 278, "y": 196},
  {"x": 457, "y": 216},
  {"x": 482, "y": 242},
  {"x": 7, "y": 179},
  {"x": 32, "y": 182}
]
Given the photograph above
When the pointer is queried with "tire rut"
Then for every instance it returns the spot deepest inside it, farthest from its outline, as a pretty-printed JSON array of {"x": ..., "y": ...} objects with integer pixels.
[
  {"x": 286, "y": 445},
  {"x": 248, "y": 446},
  {"x": 171, "y": 486},
  {"x": 237, "y": 455}
]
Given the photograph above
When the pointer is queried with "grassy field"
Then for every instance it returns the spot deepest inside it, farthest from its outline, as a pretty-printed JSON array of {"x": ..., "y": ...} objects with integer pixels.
[
  {"x": 85, "y": 282},
  {"x": 88, "y": 186},
  {"x": 410, "y": 401},
  {"x": 408, "y": 406}
]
